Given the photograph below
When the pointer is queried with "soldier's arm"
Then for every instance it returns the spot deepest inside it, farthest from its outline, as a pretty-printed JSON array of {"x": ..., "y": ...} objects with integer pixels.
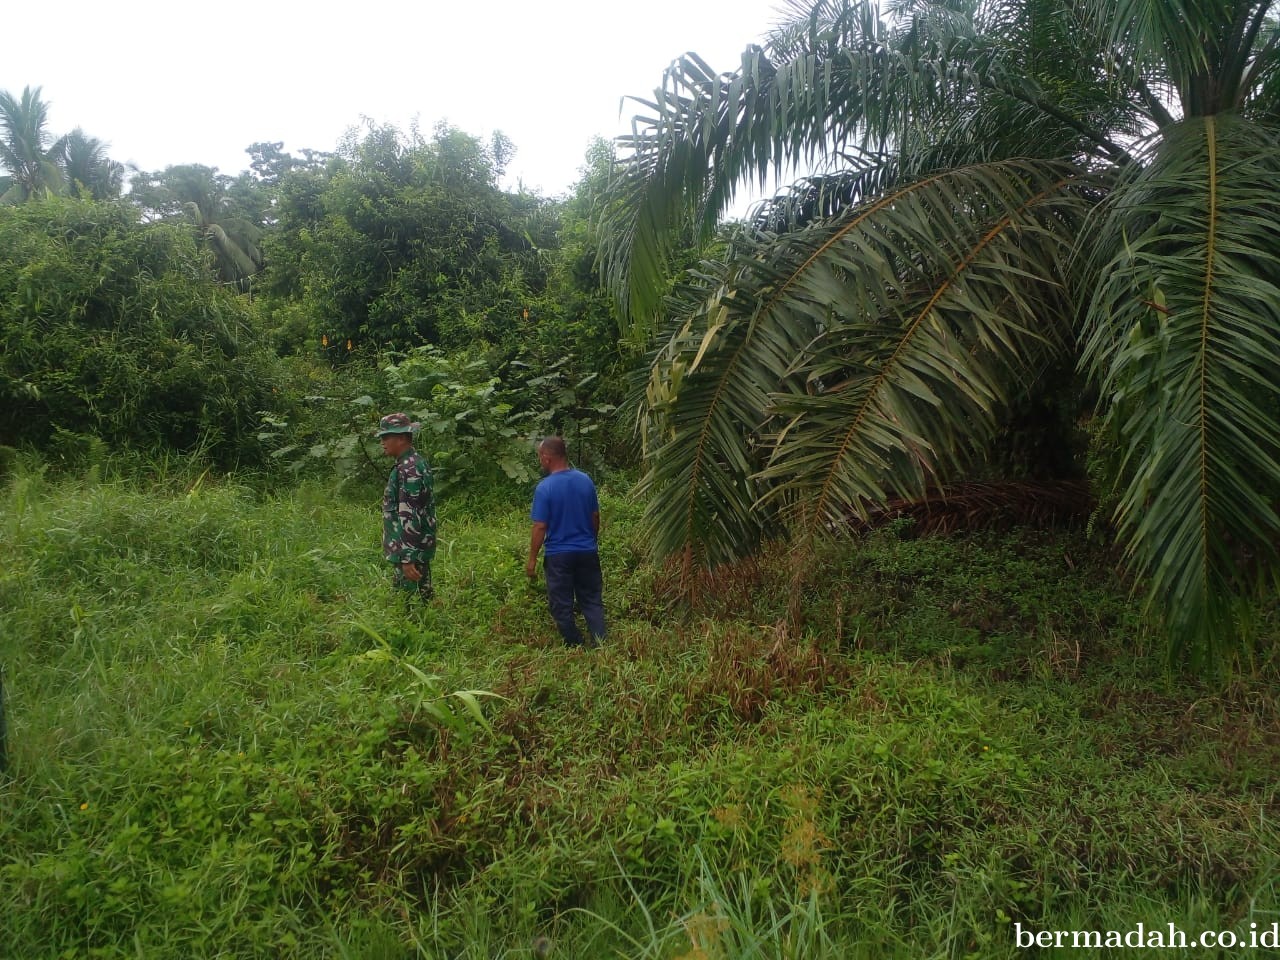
[{"x": 393, "y": 521}]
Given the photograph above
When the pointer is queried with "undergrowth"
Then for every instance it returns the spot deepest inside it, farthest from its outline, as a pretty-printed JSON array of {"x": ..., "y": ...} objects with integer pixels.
[{"x": 227, "y": 737}]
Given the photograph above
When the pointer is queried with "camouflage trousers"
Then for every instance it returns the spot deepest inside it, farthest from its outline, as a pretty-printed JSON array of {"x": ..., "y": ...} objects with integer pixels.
[{"x": 423, "y": 589}]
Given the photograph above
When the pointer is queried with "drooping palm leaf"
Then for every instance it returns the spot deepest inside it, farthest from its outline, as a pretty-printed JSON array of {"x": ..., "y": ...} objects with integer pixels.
[
  {"x": 199, "y": 195},
  {"x": 1184, "y": 337},
  {"x": 832, "y": 86},
  {"x": 707, "y": 398},
  {"x": 828, "y": 81},
  {"x": 943, "y": 294},
  {"x": 883, "y": 338},
  {"x": 917, "y": 335}
]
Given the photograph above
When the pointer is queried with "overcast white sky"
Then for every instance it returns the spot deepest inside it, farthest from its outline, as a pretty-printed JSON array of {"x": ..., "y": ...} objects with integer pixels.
[{"x": 169, "y": 81}]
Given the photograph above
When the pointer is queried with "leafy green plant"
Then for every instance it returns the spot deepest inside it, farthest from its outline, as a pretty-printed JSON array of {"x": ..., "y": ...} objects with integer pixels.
[
  {"x": 569, "y": 408},
  {"x": 227, "y": 735},
  {"x": 478, "y": 429},
  {"x": 428, "y": 696},
  {"x": 987, "y": 209},
  {"x": 404, "y": 238},
  {"x": 114, "y": 328}
]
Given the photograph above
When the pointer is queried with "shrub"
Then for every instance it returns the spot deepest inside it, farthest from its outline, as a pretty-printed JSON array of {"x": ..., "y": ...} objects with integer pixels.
[{"x": 115, "y": 329}]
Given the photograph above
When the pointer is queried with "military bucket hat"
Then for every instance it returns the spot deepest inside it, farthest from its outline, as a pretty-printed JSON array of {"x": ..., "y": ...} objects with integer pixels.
[{"x": 396, "y": 423}]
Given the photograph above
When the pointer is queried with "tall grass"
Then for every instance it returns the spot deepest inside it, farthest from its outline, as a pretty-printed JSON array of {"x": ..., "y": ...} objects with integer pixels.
[{"x": 225, "y": 740}]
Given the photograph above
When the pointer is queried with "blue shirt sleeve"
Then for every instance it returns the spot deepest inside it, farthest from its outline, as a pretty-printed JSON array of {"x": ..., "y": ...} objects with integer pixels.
[{"x": 539, "y": 513}]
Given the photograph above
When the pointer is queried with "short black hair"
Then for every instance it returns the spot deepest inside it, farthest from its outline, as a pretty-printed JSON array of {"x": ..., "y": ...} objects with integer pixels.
[{"x": 554, "y": 446}]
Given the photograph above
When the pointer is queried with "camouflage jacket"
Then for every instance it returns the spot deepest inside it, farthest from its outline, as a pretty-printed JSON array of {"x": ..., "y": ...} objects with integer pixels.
[{"x": 409, "y": 512}]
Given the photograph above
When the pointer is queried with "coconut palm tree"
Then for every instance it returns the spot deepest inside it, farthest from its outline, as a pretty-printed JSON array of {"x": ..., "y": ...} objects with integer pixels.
[
  {"x": 199, "y": 195},
  {"x": 998, "y": 186},
  {"x": 27, "y": 150},
  {"x": 87, "y": 167}
]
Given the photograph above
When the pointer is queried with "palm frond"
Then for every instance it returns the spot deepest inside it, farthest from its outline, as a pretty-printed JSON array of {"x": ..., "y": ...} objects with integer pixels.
[
  {"x": 706, "y": 134},
  {"x": 706, "y": 401},
  {"x": 1260, "y": 86},
  {"x": 835, "y": 87},
  {"x": 942, "y": 252},
  {"x": 1183, "y": 336},
  {"x": 24, "y": 146},
  {"x": 87, "y": 167},
  {"x": 1206, "y": 51},
  {"x": 941, "y": 295}
]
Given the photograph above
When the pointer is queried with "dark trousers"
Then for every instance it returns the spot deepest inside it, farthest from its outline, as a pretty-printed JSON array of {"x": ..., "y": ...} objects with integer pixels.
[{"x": 575, "y": 575}]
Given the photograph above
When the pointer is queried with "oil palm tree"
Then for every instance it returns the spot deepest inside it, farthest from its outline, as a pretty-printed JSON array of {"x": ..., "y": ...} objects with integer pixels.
[
  {"x": 1000, "y": 185},
  {"x": 27, "y": 150}
]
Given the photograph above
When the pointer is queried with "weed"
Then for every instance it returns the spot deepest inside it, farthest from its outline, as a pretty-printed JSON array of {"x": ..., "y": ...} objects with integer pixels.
[{"x": 225, "y": 738}]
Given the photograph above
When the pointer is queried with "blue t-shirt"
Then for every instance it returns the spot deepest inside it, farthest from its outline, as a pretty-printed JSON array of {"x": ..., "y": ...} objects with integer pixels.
[{"x": 565, "y": 501}]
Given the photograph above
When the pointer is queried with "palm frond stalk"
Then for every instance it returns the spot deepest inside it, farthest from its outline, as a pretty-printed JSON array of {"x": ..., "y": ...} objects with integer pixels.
[{"x": 978, "y": 505}]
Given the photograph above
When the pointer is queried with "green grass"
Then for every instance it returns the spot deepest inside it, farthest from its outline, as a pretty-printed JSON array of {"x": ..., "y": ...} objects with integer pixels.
[{"x": 228, "y": 739}]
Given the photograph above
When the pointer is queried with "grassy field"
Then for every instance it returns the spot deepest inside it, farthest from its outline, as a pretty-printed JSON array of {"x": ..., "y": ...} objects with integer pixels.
[{"x": 227, "y": 739}]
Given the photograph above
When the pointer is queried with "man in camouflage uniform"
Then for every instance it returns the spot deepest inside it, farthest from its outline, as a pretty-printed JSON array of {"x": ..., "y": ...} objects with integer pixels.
[{"x": 408, "y": 508}]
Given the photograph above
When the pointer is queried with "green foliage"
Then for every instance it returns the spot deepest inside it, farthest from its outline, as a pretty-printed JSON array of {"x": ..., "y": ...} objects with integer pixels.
[
  {"x": 403, "y": 240},
  {"x": 478, "y": 431},
  {"x": 471, "y": 430},
  {"x": 39, "y": 165},
  {"x": 89, "y": 171},
  {"x": 1194, "y": 410},
  {"x": 320, "y": 428},
  {"x": 455, "y": 712},
  {"x": 491, "y": 302},
  {"x": 112, "y": 328},
  {"x": 1002, "y": 190},
  {"x": 26, "y": 150},
  {"x": 221, "y": 740},
  {"x": 227, "y": 221}
]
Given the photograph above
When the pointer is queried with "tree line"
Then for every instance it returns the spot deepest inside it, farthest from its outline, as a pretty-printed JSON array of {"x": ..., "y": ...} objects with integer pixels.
[{"x": 248, "y": 314}]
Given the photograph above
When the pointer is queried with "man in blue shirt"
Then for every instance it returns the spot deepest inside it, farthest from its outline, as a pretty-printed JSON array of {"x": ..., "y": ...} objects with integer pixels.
[{"x": 566, "y": 525}]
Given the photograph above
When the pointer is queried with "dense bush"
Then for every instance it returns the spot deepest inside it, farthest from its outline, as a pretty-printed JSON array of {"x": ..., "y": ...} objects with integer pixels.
[
  {"x": 116, "y": 329},
  {"x": 480, "y": 418},
  {"x": 401, "y": 263},
  {"x": 401, "y": 240}
]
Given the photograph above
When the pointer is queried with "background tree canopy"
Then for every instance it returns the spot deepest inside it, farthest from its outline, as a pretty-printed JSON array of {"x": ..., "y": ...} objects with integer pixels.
[
  {"x": 114, "y": 329},
  {"x": 394, "y": 244},
  {"x": 227, "y": 223},
  {"x": 404, "y": 240}
]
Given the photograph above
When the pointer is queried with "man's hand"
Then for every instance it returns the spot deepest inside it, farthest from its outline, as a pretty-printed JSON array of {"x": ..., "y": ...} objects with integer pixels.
[
  {"x": 537, "y": 534},
  {"x": 411, "y": 571}
]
